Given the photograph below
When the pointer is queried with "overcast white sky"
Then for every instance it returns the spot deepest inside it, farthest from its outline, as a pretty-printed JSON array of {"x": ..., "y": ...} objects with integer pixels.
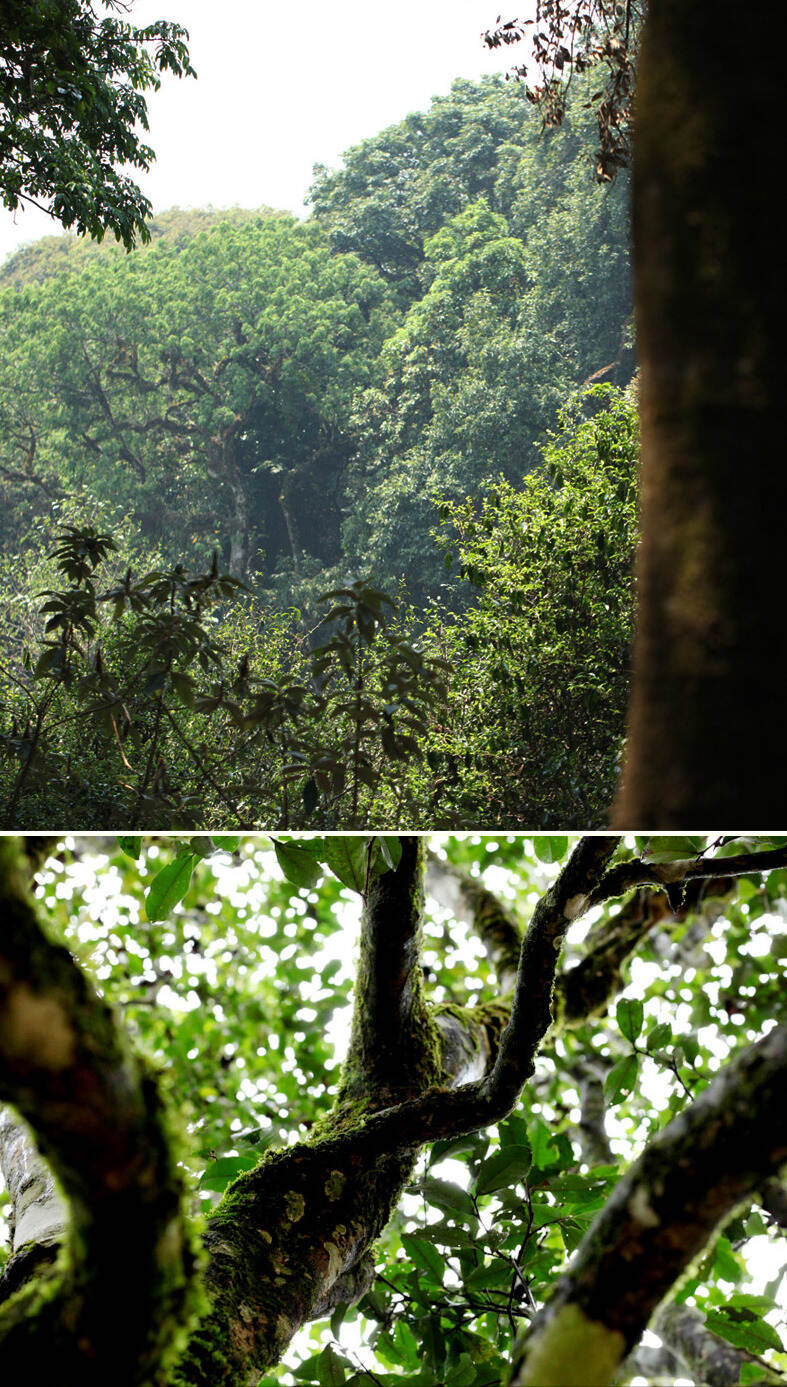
[{"x": 284, "y": 86}]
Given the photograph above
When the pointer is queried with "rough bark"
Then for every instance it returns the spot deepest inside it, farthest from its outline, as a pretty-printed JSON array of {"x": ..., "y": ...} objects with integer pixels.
[
  {"x": 709, "y": 292},
  {"x": 128, "y": 1274},
  {"x": 293, "y": 1236},
  {"x": 659, "y": 1217}
]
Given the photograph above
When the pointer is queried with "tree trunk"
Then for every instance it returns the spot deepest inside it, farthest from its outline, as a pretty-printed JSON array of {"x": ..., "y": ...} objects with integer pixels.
[
  {"x": 707, "y": 701},
  {"x": 238, "y": 557}
]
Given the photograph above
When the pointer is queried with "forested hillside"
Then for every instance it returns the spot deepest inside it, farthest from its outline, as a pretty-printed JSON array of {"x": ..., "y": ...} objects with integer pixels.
[{"x": 314, "y": 400}]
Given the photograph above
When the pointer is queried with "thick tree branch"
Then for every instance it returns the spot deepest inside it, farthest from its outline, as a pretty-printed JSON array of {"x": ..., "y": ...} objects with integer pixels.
[
  {"x": 659, "y": 1217},
  {"x": 96, "y": 1111},
  {"x": 392, "y": 1038},
  {"x": 294, "y": 1236},
  {"x": 37, "y": 1216},
  {"x": 442, "y": 1112}
]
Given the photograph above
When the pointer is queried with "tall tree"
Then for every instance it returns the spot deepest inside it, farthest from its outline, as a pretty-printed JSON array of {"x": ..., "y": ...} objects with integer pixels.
[
  {"x": 709, "y": 289},
  {"x": 235, "y": 984},
  {"x": 709, "y": 280}
]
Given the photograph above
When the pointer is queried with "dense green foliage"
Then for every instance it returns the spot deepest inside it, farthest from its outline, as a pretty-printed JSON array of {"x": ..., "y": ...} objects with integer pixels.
[
  {"x": 72, "y": 99},
  {"x": 175, "y": 697},
  {"x": 315, "y": 400},
  {"x": 241, "y": 994},
  {"x": 539, "y": 662}
]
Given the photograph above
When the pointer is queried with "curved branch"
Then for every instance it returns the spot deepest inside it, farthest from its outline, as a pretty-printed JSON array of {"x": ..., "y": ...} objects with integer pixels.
[
  {"x": 128, "y": 1273},
  {"x": 590, "y": 985},
  {"x": 659, "y": 1217}
]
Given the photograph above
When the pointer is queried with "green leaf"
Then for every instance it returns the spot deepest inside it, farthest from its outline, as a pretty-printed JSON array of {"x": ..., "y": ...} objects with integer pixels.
[
  {"x": 338, "y": 1317},
  {"x": 621, "y": 1079},
  {"x": 445, "y": 1195},
  {"x": 660, "y": 1036},
  {"x": 132, "y": 846},
  {"x": 725, "y": 1263},
  {"x": 756, "y": 1335},
  {"x": 169, "y": 886},
  {"x": 673, "y": 849},
  {"x": 504, "y": 1168},
  {"x": 347, "y": 859},
  {"x": 462, "y": 1375},
  {"x": 330, "y": 1368},
  {"x": 424, "y": 1254},
  {"x": 299, "y": 866},
  {"x": 391, "y": 849},
  {"x": 630, "y": 1015},
  {"x": 550, "y": 848},
  {"x": 219, "y": 1174}
]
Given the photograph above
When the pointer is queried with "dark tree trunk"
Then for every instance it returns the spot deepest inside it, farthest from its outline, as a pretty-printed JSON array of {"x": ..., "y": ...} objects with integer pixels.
[{"x": 704, "y": 744}]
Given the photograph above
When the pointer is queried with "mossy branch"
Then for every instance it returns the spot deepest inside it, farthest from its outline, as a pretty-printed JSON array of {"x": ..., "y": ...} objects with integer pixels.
[
  {"x": 126, "y": 1274},
  {"x": 394, "y": 1046},
  {"x": 659, "y": 1217},
  {"x": 589, "y": 987},
  {"x": 625, "y": 876}
]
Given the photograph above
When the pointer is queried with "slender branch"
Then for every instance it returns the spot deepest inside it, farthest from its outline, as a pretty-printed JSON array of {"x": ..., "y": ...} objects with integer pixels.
[
  {"x": 591, "y": 984},
  {"x": 624, "y": 876}
]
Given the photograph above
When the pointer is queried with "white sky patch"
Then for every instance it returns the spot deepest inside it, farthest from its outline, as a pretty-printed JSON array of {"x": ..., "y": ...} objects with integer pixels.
[{"x": 280, "y": 89}]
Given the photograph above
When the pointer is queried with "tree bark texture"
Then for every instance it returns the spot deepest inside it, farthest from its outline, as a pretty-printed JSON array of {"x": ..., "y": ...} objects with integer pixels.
[{"x": 706, "y": 695}]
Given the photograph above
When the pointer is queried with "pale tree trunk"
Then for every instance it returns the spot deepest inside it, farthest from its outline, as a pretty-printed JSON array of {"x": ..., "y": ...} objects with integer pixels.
[
  {"x": 707, "y": 702},
  {"x": 38, "y": 1219},
  {"x": 239, "y": 539}
]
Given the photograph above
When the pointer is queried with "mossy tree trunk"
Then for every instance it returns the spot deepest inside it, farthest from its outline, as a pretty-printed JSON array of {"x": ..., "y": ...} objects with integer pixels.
[
  {"x": 706, "y": 702},
  {"x": 295, "y": 1236}
]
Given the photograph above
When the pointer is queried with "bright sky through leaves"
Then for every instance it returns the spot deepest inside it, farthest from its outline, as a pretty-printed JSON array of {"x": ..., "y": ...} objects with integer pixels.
[{"x": 281, "y": 88}]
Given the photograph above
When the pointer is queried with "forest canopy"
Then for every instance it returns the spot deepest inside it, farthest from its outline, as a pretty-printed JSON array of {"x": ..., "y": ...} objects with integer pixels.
[
  {"x": 359, "y": 397},
  {"x": 312, "y": 1126}
]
